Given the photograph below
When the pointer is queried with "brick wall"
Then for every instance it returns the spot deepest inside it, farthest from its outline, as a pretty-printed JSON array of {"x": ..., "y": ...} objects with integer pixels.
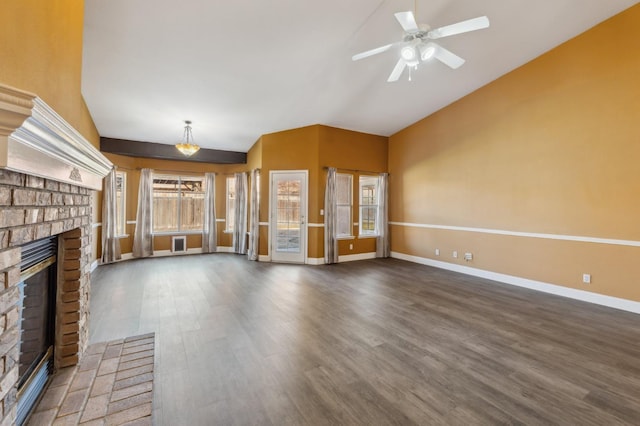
[{"x": 32, "y": 208}]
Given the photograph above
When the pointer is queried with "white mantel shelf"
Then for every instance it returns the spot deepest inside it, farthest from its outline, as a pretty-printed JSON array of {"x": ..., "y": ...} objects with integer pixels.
[{"x": 35, "y": 140}]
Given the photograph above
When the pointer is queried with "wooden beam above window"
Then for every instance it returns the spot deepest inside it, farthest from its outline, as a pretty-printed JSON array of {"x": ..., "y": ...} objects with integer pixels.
[{"x": 169, "y": 152}]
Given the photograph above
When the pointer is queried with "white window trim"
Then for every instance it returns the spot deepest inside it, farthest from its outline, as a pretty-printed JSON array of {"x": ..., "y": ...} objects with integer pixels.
[
  {"x": 376, "y": 233},
  {"x": 124, "y": 206},
  {"x": 350, "y": 235},
  {"x": 227, "y": 230}
]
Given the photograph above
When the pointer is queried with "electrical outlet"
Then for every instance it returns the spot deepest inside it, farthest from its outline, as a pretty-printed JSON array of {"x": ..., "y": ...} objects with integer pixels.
[
  {"x": 437, "y": 252},
  {"x": 455, "y": 254},
  {"x": 350, "y": 246},
  {"x": 468, "y": 256},
  {"x": 321, "y": 212},
  {"x": 586, "y": 278}
]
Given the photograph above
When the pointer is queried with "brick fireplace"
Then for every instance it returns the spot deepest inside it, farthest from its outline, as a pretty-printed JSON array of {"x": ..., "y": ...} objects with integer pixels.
[{"x": 48, "y": 176}]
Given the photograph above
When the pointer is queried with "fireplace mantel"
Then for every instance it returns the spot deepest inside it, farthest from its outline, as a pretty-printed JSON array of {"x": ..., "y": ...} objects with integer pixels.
[{"x": 35, "y": 140}]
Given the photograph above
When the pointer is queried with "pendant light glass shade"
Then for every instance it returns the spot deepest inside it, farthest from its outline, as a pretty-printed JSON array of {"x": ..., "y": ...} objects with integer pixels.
[{"x": 187, "y": 147}]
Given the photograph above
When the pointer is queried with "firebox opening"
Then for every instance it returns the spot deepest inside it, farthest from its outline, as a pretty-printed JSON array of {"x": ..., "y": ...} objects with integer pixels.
[{"x": 38, "y": 278}]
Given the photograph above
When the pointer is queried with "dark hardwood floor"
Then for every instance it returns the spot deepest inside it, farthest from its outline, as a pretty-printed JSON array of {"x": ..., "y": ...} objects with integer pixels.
[{"x": 373, "y": 343}]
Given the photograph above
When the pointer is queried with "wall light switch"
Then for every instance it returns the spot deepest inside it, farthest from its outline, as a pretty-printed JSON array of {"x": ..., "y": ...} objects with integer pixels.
[
  {"x": 437, "y": 252},
  {"x": 586, "y": 278},
  {"x": 455, "y": 254}
]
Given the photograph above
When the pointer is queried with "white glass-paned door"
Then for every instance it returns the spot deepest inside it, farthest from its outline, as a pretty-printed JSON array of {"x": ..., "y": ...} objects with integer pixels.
[{"x": 288, "y": 216}]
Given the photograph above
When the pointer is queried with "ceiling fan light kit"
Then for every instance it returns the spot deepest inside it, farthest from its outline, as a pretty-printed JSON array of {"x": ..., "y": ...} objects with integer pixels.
[
  {"x": 427, "y": 51},
  {"x": 408, "y": 53},
  {"x": 415, "y": 46}
]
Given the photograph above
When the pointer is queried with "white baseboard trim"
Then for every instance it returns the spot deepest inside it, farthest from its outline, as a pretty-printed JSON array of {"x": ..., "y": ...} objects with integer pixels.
[
  {"x": 264, "y": 258},
  {"x": 167, "y": 253},
  {"x": 355, "y": 257},
  {"x": 341, "y": 259},
  {"x": 585, "y": 296}
]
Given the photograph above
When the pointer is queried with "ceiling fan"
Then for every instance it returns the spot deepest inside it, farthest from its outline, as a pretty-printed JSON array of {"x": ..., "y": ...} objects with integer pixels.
[{"x": 417, "y": 47}]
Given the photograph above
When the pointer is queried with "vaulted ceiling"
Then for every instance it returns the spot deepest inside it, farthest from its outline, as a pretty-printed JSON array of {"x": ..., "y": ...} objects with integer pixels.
[{"x": 239, "y": 69}]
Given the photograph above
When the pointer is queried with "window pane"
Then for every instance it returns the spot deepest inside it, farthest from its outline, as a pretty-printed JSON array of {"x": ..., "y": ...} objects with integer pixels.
[
  {"x": 368, "y": 205},
  {"x": 191, "y": 204},
  {"x": 368, "y": 194},
  {"x": 368, "y": 219},
  {"x": 121, "y": 222},
  {"x": 343, "y": 188},
  {"x": 344, "y": 201},
  {"x": 231, "y": 203},
  {"x": 344, "y": 220},
  {"x": 178, "y": 203},
  {"x": 288, "y": 216}
]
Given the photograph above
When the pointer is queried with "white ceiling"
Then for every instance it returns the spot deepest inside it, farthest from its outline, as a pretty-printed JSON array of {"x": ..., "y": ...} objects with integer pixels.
[{"x": 239, "y": 69}]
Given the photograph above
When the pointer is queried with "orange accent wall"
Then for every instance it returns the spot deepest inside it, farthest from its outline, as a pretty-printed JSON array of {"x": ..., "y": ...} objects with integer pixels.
[
  {"x": 552, "y": 147},
  {"x": 41, "y": 51},
  {"x": 312, "y": 148}
]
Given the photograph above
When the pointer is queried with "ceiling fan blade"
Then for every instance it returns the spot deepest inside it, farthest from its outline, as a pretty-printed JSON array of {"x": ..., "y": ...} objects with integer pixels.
[
  {"x": 372, "y": 52},
  {"x": 408, "y": 21},
  {"x": 397, "y": 71},
  {"x": 447, "y": 57},
  {"x": 459, "y": 28}
]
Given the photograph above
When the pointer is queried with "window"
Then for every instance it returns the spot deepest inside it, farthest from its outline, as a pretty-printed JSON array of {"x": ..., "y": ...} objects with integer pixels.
[
  {"x": 344, "y": 187},
  {"x": 121, "y": 197},
  {"x": 178, "y": 203},
  {"x": 231, "y": 203},
  {"x": 368, "y": 205}
]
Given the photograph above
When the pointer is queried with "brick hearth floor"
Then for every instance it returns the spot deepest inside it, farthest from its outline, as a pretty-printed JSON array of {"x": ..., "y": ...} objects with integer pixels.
[{"x": 112, "y": 385}]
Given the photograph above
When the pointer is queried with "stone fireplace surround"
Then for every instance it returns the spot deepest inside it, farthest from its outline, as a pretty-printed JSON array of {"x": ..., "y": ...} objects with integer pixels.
[{"x": 48, "y": 174}]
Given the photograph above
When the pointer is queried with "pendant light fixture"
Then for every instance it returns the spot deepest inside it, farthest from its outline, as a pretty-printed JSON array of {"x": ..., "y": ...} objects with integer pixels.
[{"x": 187, "y": 147}]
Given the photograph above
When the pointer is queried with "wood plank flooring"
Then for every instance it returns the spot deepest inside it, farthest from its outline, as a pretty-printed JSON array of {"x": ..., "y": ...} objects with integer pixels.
[{"x": 374, "y": 342}]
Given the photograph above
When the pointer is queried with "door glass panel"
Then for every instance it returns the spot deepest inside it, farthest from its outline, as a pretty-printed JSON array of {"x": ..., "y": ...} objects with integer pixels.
[{"x": 288, "y": 216}]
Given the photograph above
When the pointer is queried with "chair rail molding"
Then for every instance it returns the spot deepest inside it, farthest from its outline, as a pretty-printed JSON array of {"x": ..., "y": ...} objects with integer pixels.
[{"x": 35, "y": 140}]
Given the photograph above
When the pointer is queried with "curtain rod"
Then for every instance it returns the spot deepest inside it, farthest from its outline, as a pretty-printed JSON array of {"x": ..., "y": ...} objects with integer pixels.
[
  {"x": 354, "y": 170},
  {"x": 182, "y": 172}
]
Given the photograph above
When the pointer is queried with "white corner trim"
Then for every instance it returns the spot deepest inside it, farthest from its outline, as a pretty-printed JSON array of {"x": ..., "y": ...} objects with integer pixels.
[
  {"x": 315, "y": 261},
  {"x": 585, "y": 296},
  {"x": 354, "y": 257},
  {"x": 578, "y": 238},
  {"x": 94, "y": 265}
]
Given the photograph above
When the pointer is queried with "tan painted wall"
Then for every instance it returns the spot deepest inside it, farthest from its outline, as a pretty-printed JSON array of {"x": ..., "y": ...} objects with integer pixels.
[
  {"x": 312, "y": 148},
  {"x": 41, "y": 52},
  {"x": 552, "y": 147},
  {"x": 356, "y": 154}
]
